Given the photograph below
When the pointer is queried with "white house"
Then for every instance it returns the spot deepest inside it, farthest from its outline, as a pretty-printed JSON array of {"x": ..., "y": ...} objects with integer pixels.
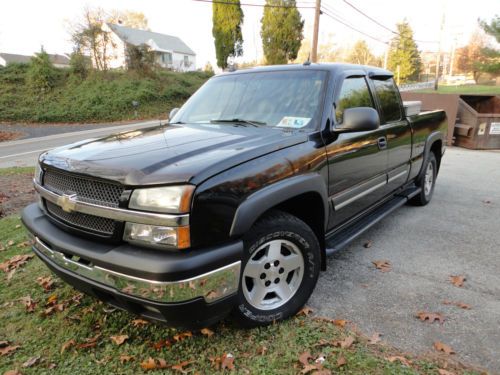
[{"x": 170, "y": 51}]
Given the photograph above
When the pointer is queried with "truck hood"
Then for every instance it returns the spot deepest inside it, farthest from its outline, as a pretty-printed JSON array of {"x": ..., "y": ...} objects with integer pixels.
[{"x": 170, "y": 154}]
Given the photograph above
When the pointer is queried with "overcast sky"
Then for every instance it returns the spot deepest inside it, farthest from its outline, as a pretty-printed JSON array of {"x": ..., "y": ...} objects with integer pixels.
[{"x": 25, "y": 25}]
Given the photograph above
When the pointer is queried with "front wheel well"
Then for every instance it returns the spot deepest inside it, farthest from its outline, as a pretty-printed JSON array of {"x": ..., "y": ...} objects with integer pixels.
[{"x": 309, "y": 208}]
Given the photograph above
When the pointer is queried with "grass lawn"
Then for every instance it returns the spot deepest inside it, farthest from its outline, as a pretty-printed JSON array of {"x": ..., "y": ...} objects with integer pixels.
[
  {"x": 467, "y": 89},
  {"x": 272, "y": 350}
]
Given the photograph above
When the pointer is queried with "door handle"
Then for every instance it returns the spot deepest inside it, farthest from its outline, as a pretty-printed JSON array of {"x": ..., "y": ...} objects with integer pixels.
[{"x": 382, "y": 143}]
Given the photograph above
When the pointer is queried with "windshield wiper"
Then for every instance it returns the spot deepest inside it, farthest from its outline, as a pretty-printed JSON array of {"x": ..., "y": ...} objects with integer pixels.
[{"x": 240, "y": 121}]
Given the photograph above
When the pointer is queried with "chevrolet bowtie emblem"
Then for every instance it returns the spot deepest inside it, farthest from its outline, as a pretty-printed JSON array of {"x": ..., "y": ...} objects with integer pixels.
[{"x": 67, "y": 202}]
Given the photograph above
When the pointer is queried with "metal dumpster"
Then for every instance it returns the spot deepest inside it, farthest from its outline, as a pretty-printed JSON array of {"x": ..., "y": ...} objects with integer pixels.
[{"x": 478, "y": 122}]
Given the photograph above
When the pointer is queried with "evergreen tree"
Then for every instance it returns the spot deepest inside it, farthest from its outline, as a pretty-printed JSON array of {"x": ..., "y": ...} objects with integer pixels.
[
  {"x": 281, "y": 31},
  {"x": 403, "y": 52},
  {"x": 491, "y": 55},
  {"x": 227, "y": 20},
  {"x": 41, "y": 74}
]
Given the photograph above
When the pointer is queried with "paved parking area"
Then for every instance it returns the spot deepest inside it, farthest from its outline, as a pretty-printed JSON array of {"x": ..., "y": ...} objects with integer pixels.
[{"x": 458, "y": 233}]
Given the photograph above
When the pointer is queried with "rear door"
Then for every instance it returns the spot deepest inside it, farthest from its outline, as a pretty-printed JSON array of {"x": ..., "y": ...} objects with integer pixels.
[
  {"x": 357, "y": 161},
  {"x": 397, "y": 129}
]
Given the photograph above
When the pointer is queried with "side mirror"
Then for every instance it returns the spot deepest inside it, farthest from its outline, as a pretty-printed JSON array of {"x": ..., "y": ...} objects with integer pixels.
[
  {"x": 359, "y": 119},
  {"x": 173, "y": 112}
]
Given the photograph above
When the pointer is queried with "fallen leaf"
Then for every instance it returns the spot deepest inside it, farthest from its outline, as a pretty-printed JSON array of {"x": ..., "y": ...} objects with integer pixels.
[
  {"x": 126, "y": 358},
  {"x": 304, "y": 358},
  {"x": 31, "y": 361},
  {"x": 55, "y": 308},
  {"x": 183, "y": 335},
  {"x": 306, "y": 310},
  {"x": 400, "y": 359},
  {"x": 104, "y": 360},
  {"x": 5, "y": 350},
  {"x": 149, "y": 364},
  {"x": 10, "y": 274},
  {"x": 375, "y": 338},
  {"x": 67, "y": 345},
  {"x": 207, "y": 332},
  {"x": 13, "y": 372},
  {"x": 227, "y": 361},
  {"x": 23, "y": 244},
  {"x": 89, "y": 342},
  {"x": 367, "y": 244},
  {"x": 440, "y": 347},
  {"x": 445, "y": 372},
  {"x": 52, "y": 366},
  {"x": 15, "y": 262},
  {"x": 162, "y": 344},
  {"x": 139, "y": 322},
  {"x": 28, "y": 303},
  {"x": 120, "y": 339},
  {"x": 457, "y": 280},
  {"x": 18, "y": 226},
  {"x": 261, "y": 350},
  {"x": 340, "y": 322},
  {"x": 180, "y": 366},
  {"x": 458, "y": 304},
  {"x": 430, "y": 317},
  {"x": 52, "y": 300},
  {"x": 347, "y": 342},
  {"x": 308, "y": 368},
  {"x": 382, "y": 265},
  {"x": 45, "y": 282},
  {"x": 341, "y": 361}
]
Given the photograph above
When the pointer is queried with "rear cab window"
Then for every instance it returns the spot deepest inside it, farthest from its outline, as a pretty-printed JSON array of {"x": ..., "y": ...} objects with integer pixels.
[
  {"x": 354, "y": 93},
  {"x": 388, "y": 97}
]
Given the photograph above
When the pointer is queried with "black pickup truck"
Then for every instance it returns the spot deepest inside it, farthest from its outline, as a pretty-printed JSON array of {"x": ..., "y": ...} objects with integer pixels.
[{"x": 235, "y": 204}]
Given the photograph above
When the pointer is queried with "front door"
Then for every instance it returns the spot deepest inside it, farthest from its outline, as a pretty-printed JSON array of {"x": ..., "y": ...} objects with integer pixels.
[{"x": 357, "y": 161}]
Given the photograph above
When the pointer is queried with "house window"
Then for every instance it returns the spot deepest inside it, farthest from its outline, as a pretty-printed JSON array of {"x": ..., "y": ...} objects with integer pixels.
[
  {"x": 166, "y": 58},
  {"x": 186, "y": 60}
]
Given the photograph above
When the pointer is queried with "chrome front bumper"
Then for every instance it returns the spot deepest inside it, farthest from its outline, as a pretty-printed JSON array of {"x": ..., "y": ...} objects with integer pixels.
[{"x": 212, "y": 286}]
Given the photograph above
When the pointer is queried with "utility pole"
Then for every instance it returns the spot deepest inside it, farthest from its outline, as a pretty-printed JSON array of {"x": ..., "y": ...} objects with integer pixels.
[
  {"x": 314, "y": 52},
  {"x": 438, "y": 59}
]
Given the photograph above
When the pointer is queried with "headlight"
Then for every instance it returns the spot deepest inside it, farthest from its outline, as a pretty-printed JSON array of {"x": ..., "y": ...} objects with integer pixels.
[
  {"x": 156, "y": 236},
  {"x": 38, "y": 173},
  {"x": 169, "y": 199}
]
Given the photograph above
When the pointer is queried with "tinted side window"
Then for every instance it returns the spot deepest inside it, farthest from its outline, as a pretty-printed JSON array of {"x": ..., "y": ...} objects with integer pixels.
[
  {"x": 354, "y": 93},
  {"x": 389, "y": 100}
]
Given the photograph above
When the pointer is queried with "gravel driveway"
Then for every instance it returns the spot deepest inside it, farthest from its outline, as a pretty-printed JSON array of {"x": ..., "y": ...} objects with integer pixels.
[{"x": 458, "y": 233}]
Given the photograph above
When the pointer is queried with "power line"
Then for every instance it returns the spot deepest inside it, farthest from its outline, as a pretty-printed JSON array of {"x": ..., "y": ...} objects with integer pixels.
[
  {"x": 352, "y": 27},
  {"x": 381, "y": 25},
  {"x": 255, "y": 5}
]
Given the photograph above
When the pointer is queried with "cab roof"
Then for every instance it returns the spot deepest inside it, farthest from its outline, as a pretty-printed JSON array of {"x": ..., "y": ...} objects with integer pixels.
[{"x": 334, "y": 68}]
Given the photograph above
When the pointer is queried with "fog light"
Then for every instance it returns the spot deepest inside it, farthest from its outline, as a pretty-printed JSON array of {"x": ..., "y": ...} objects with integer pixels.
[{"x": 156, "y": 236}]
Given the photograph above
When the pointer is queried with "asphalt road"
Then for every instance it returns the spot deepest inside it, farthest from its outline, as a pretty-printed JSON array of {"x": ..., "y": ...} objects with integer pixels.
[
  {"x": 458, "y": 233},
  {"x": 25, "y": 152}
]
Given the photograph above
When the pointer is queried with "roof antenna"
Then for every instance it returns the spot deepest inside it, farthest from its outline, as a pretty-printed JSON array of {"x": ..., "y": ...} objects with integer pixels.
[{"x": 308, "y": 61}]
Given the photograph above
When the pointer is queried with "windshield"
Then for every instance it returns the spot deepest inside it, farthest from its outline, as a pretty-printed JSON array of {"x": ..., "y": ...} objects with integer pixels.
[{"x": 289, "y": 99}]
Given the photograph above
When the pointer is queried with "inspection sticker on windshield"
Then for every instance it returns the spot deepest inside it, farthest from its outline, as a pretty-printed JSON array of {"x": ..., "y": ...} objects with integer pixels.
[{"x": 294, "y": 122}]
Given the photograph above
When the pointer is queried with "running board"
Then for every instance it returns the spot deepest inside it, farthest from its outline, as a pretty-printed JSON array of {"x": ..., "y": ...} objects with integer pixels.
[{"x": 338, "y": 240}]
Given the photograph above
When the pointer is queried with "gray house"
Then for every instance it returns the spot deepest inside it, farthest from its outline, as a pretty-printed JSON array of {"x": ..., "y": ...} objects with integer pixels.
[
  {"x": 59, "y": 61},
  {"x": 170, "y": 51}
]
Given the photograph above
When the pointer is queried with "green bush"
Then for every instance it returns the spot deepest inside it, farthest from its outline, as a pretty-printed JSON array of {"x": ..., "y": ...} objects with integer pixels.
[
  {"x": 41, "y": 74},
  {"x": 102, "y": 96}
]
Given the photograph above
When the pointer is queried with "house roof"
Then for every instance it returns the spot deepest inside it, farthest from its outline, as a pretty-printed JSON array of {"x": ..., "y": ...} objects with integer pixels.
[
  {"x": 13, "y": 58},
  {"x": 157, "y": 41}
]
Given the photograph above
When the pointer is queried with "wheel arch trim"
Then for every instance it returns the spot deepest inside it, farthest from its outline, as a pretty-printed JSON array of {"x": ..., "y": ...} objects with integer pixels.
[{"x": 270, "y": 196}]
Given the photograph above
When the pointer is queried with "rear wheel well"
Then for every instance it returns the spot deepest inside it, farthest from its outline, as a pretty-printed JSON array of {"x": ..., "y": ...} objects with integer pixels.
[
  {"x": 436, "y": 149},
  {"x": 309, "y": 208}
]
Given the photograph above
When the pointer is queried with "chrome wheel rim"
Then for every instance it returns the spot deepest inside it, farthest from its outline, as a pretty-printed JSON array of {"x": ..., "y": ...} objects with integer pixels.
[
  {"x": 428, "y": 179},
  {"x": 273, "y": 274}
]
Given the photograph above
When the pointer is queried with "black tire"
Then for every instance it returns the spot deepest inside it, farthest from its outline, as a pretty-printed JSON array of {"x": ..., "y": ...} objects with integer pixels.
[
  {"x": 286, "y": 232},
  {"x": 425, "y": 195}
]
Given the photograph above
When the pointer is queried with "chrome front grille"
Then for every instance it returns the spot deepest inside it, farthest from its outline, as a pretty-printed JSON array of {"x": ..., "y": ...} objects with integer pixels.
[
  {"x": 87, "y": 189},
  {"x": 86, "y": 222}
]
